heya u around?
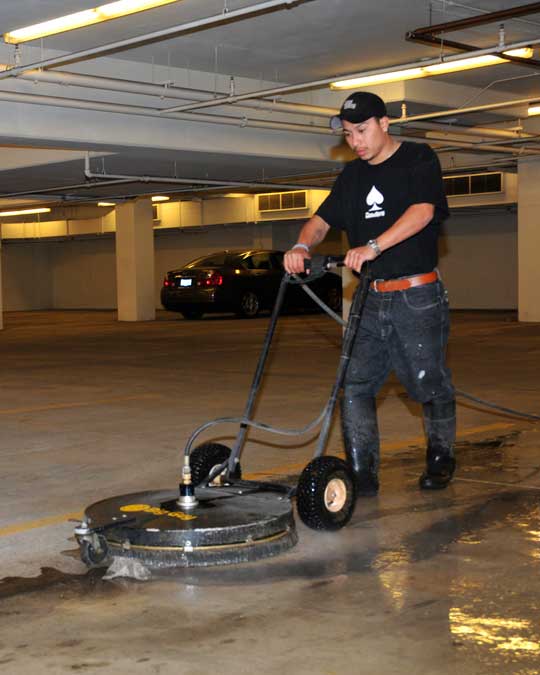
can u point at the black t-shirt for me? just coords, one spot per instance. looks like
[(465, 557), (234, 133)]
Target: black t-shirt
[(368, 199)]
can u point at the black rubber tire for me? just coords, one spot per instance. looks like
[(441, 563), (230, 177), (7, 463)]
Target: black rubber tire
[(311, 498), (334, 299), (191, 314), (250, 305), (93, 557), (205, 457)]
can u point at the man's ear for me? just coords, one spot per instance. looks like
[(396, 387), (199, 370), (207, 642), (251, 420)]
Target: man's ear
[(385, 123)]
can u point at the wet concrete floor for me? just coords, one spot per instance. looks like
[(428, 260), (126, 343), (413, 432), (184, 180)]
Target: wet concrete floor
[(418, 582)]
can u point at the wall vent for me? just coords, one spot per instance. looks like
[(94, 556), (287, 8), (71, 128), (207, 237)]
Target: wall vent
[(282, 201), (473, 184)]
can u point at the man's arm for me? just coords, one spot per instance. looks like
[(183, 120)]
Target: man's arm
[(311, 234), (414, 219)]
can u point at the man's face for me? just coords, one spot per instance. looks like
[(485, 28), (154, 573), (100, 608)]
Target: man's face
[(367, 139)]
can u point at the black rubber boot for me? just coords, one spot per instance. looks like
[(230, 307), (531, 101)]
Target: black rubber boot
[(361, 442), (440, 423)]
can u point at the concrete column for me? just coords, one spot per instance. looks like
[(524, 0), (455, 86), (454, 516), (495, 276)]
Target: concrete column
[(135, 261), (528, 239)]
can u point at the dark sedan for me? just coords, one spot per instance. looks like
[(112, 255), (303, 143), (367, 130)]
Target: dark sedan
[(244, 282)]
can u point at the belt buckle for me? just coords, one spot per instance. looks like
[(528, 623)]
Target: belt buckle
[(375, 282)]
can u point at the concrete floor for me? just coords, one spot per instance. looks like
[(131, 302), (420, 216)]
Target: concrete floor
[(417, 583)]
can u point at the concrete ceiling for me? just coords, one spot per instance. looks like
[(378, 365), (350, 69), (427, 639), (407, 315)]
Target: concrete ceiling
[(312, 40)]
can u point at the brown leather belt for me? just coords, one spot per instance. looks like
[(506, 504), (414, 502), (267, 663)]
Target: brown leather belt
[(382, 286)]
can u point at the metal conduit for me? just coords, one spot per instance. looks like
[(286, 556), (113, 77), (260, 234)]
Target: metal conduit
[(474, 131), (201, 181), (37, 99), (156, 36), (163, 91), (484, 147), (288, 89), (82, 104)]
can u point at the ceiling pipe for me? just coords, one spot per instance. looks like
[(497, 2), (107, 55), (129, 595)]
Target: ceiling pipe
[(194, 181), (465, 110), (484, 147), (288, 89), (491, 17), (434, 41), (37, 99), (435, 138), (149, 89), (202, 181), (63, 77), (62, 188), (430, 34), (473, 131), (157, 36), (509, 162), (143, 111)]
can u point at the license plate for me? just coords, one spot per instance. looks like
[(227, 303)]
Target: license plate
[(186, 282)]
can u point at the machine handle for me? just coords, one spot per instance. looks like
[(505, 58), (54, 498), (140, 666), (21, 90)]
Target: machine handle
[(321, 263)]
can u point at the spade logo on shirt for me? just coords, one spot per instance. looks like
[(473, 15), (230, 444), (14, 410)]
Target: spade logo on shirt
[(374, 200)]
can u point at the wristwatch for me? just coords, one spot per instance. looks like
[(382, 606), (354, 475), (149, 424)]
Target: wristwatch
[(372, 243)]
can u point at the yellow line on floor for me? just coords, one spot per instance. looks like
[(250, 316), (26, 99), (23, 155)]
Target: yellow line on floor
[(35, 524), (78, 404), (277, 471)]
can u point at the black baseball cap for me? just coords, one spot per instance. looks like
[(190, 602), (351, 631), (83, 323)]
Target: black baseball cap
[(359, 107)]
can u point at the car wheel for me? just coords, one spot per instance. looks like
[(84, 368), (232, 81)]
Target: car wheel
[(249, 305), (191, 314), (334, 299), (205, 457), (326, 496)]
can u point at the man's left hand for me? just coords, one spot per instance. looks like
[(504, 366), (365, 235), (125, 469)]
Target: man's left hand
[(356, 257)]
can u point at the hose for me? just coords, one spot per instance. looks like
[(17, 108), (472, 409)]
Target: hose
[(459, 392), (245, 422)]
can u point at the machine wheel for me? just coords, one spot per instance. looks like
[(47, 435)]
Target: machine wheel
[(325, 496), (191, 313), (94, 554), (249, 305), (205, 457)]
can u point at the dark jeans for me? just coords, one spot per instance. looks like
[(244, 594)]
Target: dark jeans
[(404, 331)]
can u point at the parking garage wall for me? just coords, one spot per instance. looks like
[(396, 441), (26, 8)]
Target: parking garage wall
[(478, 258), (478, 261)]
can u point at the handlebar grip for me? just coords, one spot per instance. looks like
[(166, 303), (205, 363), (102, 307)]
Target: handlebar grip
[(334, 261), (322, 263)]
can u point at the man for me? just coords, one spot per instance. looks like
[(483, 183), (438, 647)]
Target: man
[(391, 203)]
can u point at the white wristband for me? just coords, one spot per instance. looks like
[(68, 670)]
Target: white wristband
[(304, 246)]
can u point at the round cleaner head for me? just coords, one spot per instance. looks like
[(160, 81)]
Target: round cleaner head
[(229, 524)]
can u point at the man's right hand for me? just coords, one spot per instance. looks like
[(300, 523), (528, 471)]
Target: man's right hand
[(293, 260)]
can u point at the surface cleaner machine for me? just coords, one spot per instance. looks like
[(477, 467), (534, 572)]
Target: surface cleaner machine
[(214, 517)]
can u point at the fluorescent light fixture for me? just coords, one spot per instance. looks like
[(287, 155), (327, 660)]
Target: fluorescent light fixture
[(533, 109), (24, 212), (426, 71), (106, 203), (160, 198), (88, 17)]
